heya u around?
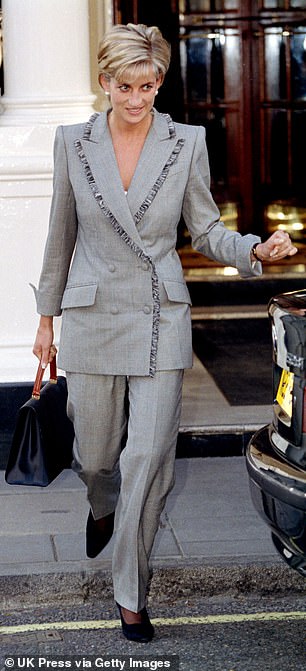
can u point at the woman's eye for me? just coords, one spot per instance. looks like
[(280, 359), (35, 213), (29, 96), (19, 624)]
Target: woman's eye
[(125, 87)]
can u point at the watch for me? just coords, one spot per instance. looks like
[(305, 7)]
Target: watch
[(253, 251)]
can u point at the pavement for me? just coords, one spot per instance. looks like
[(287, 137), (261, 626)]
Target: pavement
[(209, 527), (208, 517)]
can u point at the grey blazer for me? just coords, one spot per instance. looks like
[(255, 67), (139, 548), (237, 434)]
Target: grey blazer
[(110, 265)]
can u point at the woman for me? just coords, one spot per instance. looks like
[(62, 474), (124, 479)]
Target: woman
[(121, 183)]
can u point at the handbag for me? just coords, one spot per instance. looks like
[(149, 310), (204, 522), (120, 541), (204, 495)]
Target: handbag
[(43, 437)]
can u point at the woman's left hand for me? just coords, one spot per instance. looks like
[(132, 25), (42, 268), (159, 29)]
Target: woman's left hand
[(276, 247)]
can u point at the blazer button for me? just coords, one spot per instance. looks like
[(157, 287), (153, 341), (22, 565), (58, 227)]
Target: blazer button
[(114, 310), (147, 309), (111, 268)]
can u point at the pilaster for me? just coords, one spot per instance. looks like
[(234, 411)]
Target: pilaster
[(49, 74)]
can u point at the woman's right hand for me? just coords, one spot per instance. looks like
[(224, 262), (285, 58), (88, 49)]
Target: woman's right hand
[(43, 346)]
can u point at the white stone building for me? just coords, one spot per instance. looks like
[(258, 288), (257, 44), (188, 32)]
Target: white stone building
[(50, 78)]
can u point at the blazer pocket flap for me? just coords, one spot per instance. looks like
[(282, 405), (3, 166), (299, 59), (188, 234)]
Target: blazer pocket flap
[(177, 291), (79, 296)]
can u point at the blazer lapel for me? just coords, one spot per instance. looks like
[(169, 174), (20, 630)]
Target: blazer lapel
[(159, 151), (158, 147), (103, 175)]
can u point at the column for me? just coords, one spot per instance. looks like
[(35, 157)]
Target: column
[(47, 83), (46, 62)]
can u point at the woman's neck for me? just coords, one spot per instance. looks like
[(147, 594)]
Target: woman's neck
[(119, 128)]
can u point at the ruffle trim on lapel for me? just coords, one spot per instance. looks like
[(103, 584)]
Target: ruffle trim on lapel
[(160, 180), (171, 126), (89, 125), (129, 241)]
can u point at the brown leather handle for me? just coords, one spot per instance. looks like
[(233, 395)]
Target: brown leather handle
[(39, 377)]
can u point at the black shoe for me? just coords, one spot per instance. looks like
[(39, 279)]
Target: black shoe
[(141, 632), (98, 533)]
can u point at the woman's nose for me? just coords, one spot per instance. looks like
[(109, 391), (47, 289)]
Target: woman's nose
[(134, 97)]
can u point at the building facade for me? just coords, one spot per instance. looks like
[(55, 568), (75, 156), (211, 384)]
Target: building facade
[(238, 68)]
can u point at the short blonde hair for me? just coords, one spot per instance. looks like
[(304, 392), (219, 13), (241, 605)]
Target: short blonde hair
[(133, 49)]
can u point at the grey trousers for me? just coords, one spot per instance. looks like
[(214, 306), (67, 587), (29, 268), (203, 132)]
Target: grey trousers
[(133, 481)]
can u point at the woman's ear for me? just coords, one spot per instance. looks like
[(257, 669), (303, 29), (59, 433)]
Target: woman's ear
[(104, 83)]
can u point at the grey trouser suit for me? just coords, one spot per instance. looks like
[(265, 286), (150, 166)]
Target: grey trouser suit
[(112, 271)]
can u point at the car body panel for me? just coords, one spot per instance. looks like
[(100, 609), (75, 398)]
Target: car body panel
[(278, 492), (276, 454)]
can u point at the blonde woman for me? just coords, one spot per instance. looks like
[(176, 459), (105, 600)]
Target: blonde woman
[(121, 183)]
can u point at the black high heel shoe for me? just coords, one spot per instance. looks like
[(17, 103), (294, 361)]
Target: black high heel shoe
[(141, 632), (98, 533)]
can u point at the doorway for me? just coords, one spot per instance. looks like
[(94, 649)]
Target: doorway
[(239, 69)]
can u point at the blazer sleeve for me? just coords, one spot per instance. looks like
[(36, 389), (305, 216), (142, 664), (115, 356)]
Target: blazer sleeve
[(202, 217), (61, 236)]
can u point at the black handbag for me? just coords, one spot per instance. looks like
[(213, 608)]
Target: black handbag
[(43, 437)]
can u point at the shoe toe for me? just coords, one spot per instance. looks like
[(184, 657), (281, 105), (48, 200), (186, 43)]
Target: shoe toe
[(141, 632), (98, 536)]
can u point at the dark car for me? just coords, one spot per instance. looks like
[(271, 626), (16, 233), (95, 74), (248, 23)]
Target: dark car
[(276, 454)]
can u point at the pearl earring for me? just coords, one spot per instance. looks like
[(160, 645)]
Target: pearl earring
[(156, 92), (106, 93)]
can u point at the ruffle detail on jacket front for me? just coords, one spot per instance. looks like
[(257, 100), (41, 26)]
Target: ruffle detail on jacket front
[(118, 228)]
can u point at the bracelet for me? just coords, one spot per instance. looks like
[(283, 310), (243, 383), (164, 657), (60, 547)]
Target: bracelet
[(253, 251)]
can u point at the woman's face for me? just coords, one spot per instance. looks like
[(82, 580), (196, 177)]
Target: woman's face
[(132, 100)]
